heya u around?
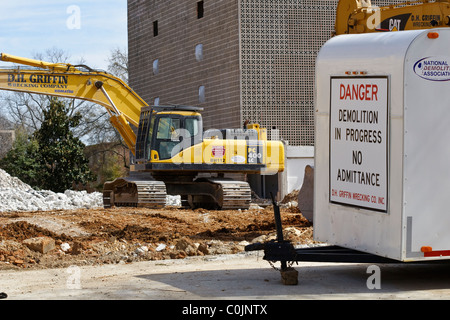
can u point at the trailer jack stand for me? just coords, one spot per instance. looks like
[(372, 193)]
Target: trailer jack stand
[(289, 275), (278, 250)]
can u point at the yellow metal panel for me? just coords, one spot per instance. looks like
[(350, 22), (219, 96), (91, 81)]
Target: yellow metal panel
[(182, 113)]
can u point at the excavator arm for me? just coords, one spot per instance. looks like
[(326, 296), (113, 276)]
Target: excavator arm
[(80, 82), (360, 16)]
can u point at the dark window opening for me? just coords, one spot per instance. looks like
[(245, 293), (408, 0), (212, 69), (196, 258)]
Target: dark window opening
[(155, 28), (200, 10)]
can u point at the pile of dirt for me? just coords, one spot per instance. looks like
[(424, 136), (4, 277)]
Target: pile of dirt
[(291, 197), (75, 229), (125, 235)]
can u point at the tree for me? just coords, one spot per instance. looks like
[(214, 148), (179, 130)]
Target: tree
[(118, 63), (61, 156), (20, 161)]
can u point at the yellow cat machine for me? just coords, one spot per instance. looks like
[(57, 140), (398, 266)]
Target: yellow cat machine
[(360, 16), (173, 155)]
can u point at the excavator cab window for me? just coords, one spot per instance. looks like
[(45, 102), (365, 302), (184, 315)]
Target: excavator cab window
[(167, 127), (144, 136), (166, 136), (194, 130), (174, 133), (192, 126)]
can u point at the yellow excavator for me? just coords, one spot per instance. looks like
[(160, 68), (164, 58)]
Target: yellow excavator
[(173, 154), (360, 16)]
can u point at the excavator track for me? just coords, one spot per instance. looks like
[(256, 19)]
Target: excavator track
[(236, 194), (125, 192), (217, 193)]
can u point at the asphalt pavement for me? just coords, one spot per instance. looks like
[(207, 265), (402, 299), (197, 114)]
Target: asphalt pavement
[(240, 277)]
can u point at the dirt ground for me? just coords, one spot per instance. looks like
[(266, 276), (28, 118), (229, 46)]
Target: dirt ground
[(125, 235)]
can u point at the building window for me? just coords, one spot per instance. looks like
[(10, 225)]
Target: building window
[(201, 94), (155, 28), (199, 52), (200, 10), (156, 103), (156, 66)]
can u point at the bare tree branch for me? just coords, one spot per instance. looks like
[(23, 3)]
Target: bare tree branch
[(118, 63)]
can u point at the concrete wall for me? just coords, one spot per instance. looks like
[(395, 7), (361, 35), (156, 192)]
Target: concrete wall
[(297, 158)]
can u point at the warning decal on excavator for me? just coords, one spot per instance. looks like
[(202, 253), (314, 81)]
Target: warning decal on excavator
[(358, 142), (218, 151)]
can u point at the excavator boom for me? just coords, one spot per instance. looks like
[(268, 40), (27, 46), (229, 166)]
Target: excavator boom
[(37, 63), (80, 82)]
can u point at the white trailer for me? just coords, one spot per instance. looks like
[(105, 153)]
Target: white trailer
[(382, 151), (382, 148)]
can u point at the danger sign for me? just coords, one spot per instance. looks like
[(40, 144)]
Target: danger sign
[(358, 142)]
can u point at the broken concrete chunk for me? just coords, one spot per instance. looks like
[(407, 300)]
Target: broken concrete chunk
[(187, 246), (40, 244), (306, 194), (65, 246), (289, 276)]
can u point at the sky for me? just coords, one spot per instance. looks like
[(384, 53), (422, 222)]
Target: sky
[(83, 29)]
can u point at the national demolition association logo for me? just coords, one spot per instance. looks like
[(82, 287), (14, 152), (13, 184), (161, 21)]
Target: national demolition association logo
[(433, 68)]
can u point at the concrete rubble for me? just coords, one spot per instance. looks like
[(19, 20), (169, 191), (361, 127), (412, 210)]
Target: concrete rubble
[(16, 195)]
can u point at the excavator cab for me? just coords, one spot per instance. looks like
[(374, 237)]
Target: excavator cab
[(164, 131)]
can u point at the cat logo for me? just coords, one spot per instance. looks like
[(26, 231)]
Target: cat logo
[(394, 24)]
